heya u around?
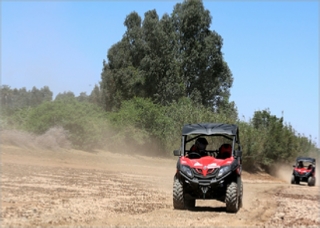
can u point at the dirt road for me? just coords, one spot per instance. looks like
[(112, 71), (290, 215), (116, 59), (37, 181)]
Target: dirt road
[(70, 188)]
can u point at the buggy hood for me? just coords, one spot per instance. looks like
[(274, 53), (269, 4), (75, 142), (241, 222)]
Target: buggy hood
[(208, 161), (207, 164)]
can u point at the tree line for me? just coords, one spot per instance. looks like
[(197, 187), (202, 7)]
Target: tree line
[(143, 125), (164, 72)]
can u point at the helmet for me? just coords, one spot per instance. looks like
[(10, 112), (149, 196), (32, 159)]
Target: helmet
[(201, 143)]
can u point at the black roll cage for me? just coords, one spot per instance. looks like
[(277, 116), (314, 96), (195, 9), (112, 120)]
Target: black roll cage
[(233, 138)]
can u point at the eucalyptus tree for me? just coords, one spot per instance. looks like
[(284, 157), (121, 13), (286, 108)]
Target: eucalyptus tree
[(121, 79), (206, 75), (37, 96), (95, 96), (21, 98), (65, 95), (160, 69), (6, 95), (83, 97), (167, 59)]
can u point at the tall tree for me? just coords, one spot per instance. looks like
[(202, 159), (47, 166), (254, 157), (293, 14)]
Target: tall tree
[(206, 75), (177, 56), (95, 96), (20, 98), (38, 96), (65, 95), (121, 79), (83, 97), (6, 95), (160, 70)]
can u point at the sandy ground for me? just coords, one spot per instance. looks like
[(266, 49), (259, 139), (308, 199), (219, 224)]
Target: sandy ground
[(70, 188)]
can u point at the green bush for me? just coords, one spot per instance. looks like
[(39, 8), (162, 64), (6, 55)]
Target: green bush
[(266, 139), (86, 123), (147, 125), (140, 124)]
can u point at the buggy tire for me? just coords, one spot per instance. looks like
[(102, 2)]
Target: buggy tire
[(178, 198), (311, 181), (232, 198), (241, 194), (293, 179)]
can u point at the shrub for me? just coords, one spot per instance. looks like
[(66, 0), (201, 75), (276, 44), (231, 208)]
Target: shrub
[(86, 123)]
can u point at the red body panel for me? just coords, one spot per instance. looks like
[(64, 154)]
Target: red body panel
[(302, 170), (205, 165)]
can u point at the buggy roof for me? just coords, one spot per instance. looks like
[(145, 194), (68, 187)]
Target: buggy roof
[(306, 159), (210, 129)]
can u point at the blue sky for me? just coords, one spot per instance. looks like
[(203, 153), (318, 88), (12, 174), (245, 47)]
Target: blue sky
[(271, 47)]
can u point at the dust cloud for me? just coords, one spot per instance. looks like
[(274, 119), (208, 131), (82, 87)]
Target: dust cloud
[(55, 138), (282, 171)]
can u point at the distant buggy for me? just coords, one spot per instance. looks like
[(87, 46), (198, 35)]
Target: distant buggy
[(215, 172), (304, 171)]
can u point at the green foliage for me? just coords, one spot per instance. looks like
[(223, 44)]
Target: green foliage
[(141, 122), (18, 118), (85, 122), (159, 66), (14, 99), (148, 125), (95, 96), (65, 95), (206, 75), (266, 139), (167, 59)]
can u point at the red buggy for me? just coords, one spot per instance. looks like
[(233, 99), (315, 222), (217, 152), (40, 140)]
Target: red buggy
[(215, 173), (304, 171)]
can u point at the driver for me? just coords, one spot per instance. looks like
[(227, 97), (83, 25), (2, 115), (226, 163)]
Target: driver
[(199, 147), (300, 165)]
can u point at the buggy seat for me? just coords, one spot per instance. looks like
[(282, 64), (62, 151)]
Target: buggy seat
[(225, 151)]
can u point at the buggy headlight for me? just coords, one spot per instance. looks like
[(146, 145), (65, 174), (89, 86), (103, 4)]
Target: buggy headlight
[(223, 170), (186, 170)]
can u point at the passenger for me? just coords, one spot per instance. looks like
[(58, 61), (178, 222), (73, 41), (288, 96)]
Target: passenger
[(300, 165)]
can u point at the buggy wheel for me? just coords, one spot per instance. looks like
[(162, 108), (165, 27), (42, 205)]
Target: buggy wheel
[(293, 180), (178, 199), (241, 194), (232, 198), (311, 181)]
